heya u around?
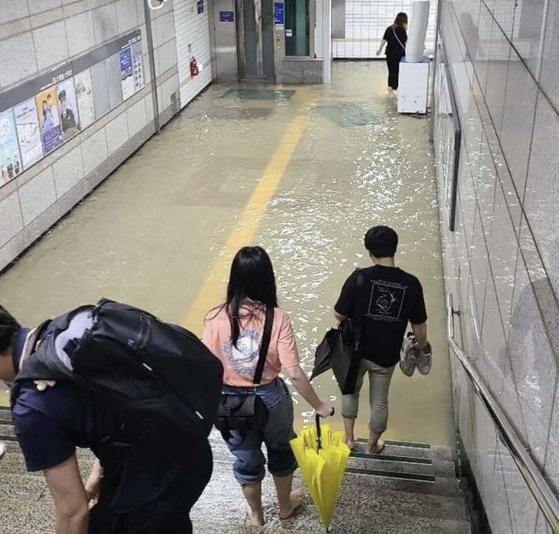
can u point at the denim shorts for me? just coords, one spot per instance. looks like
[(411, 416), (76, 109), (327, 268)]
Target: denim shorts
[(250, 462)]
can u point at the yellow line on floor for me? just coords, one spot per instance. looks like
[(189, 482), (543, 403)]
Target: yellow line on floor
[(212, 290)]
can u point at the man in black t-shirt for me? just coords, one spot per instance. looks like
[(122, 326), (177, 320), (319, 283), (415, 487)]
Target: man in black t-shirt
[(393, 298), (144, 483)]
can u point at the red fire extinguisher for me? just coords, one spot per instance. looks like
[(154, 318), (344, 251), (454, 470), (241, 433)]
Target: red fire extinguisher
[(194, 71)]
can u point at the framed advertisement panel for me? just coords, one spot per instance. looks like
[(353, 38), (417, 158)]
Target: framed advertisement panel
[(68, 109), (28, 133), (10, 159), (84, 97), (49, 119)]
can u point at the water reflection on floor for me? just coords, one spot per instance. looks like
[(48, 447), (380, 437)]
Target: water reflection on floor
[(151, 232)]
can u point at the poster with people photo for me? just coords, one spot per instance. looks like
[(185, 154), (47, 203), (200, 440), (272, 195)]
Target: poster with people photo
[(28, 133), (10, 162), (68, 109), (84, 96), (49, 119)]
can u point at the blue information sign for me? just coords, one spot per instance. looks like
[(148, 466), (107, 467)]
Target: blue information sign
[(279, 13), (226, 16)]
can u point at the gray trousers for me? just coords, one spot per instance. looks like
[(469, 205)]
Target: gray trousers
[(379, 384)]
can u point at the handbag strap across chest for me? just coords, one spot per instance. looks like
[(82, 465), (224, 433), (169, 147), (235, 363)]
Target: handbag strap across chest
[(266, 335)]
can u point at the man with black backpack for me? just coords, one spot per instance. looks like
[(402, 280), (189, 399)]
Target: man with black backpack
[(140, 393)]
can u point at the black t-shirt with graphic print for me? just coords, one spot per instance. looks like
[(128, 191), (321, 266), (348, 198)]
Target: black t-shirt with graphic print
[(392, 298)]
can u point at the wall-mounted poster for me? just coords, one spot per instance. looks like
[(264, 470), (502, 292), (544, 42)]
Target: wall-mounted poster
[(138, 63), (68, 109), (126, 73), (28, 133), (51, 131), (10, 163), (84, 96), (114, 85), (100, 90)]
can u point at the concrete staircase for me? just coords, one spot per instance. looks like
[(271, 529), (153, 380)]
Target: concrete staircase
[(410, 488)]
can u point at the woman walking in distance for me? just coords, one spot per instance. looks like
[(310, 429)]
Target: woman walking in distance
[(234, 332), (395, 38)]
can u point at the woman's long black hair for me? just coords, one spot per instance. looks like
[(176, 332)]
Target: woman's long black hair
[(252, 277)]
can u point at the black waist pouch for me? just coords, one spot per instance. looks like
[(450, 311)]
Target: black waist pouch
[(240, 412)]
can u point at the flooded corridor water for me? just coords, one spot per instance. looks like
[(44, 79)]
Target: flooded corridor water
[(302, 171)]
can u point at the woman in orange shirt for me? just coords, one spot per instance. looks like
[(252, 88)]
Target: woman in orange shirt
[(233, 332)]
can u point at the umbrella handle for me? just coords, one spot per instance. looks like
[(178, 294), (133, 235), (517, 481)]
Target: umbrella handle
[(318, 432)]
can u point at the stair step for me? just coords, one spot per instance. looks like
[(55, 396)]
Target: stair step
[(16, 485), (399, 464), (369, 499), (23, 514), (390, 474), (398, 443), (443, 486), (378, 525), (410, 449), (6, 430)]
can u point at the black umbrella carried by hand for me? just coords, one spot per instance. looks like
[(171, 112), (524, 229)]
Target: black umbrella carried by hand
[(339, 350)]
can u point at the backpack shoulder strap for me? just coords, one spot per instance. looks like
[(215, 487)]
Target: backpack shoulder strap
[(267, 334), (357, 319), (31, 342), (398, 39)]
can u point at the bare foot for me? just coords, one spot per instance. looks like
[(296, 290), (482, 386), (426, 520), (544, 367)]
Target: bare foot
[(295, 500), (375, 448), (256, 520), (350, 443), (390, 91)]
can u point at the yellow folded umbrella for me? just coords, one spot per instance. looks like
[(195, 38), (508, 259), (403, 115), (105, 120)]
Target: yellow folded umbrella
[(322, 456)]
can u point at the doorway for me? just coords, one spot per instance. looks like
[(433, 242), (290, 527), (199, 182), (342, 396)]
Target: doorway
[(255, 39)]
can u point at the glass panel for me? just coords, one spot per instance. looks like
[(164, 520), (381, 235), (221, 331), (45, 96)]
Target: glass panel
[(297, 28)]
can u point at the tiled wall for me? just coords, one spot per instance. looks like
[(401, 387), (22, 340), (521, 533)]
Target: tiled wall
[(39, 35), (193, 41), (366, 21), (502, 262)]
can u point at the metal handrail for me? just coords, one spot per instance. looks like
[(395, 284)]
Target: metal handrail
[(542, 492)]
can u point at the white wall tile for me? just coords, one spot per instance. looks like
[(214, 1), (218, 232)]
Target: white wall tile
[(105, 23), (50, 44), (81, 35), (68, 171), (22, 62), (136, 117), (94, 151), (37, 195), (117, 132), (11, 221)]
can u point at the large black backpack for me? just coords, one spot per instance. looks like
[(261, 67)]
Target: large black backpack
[(138, 364)]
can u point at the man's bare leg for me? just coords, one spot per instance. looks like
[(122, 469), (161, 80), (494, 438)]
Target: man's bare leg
[(349, 426), (375, 443), (253, 496)]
